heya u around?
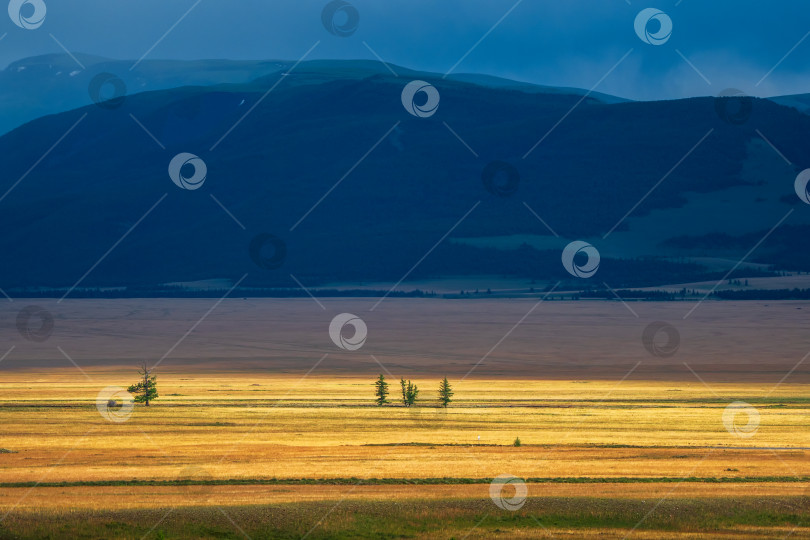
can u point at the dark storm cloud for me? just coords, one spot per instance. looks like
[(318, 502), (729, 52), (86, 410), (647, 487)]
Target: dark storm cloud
[(559, 43)]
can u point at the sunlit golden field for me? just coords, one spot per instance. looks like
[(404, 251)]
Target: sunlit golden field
[(291, 427), (267, 451), (264, 430)]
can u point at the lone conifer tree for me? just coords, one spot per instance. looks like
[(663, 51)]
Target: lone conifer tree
[(146, 388), (445, 392), (409, 392), (382, 390)]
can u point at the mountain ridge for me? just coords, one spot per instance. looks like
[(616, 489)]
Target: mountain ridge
[(311, 164), (52, 83)]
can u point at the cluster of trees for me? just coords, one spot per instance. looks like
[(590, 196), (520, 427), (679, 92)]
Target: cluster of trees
[(410, 392), (145, 390), (764, 294)]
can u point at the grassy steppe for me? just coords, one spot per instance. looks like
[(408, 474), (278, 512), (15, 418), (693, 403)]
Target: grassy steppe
[(235, 455), (746, 517)]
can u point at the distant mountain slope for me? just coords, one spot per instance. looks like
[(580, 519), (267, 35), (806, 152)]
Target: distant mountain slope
[(54, 83), (310, 165), (498, 82), (800, 102)]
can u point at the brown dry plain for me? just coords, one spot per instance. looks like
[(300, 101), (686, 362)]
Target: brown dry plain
[(265, 429)]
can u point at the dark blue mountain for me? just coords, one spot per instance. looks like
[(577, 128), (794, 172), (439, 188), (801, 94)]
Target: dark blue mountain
[(310, 163)]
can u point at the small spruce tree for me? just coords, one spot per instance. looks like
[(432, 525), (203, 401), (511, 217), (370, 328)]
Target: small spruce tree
[(145, 390), (381, 391), (413, 393), (445, 392), (409, 392)]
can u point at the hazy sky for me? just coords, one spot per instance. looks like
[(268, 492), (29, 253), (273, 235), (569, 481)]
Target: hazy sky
[(554, 42)]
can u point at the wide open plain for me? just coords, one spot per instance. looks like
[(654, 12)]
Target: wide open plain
[(266, 429)]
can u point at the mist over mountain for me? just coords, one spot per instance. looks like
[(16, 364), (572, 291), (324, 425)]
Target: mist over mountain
[(326, 159)]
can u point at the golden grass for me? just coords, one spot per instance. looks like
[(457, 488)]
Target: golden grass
[(247, 426), (223, 426)]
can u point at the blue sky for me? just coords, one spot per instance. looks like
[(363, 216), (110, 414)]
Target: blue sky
[(560, 42)]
